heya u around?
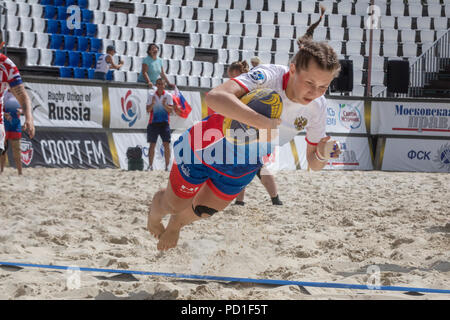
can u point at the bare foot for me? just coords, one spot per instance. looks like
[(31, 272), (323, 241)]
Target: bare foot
[(154, 225), (168, 239)]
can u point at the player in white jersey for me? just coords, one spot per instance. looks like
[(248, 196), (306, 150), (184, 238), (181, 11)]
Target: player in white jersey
[(188, 196)]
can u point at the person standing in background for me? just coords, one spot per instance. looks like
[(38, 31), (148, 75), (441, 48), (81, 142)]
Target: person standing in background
[(255, 61), (105, 62), (13, 131), (159, 106), (152, 68)]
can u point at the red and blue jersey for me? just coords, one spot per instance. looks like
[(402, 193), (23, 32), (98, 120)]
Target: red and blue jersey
[(158, 114), (10, 77)]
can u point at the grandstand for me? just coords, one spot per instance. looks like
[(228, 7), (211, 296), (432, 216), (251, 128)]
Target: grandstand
[(199, 38)]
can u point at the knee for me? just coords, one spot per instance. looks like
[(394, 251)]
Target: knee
[(203, 211)]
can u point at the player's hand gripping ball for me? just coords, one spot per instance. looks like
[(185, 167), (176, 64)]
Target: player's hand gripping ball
[(264, 101)]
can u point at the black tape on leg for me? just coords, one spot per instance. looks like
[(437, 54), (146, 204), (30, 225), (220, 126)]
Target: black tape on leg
[(199, 210)]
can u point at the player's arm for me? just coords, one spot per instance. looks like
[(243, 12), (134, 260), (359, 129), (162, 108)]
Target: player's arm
[(111, 62), (22, 97), (224, 99), (315, 154), (167, 105), (151, 103)]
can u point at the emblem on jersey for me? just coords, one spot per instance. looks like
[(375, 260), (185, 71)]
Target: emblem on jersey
[(258, 77), (300, 123), (26, 151)]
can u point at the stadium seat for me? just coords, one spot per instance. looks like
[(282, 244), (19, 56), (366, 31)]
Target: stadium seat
[(52, 26), (74, 58), (308, 6), (268, 30), (110, 18), (14, 39), (11, 8), (87, 59), (281, 58), (344, 8), (110, 75), (250, 16), (251, 30), (181, 81), (264, 44), (266, 57), (404, 23), (79, 73), (233, 42), (423, 23), (286, 32), (354, 34), (291, 6), (58, 3), (185, 67), (42, 40), (28, 39), (187, 13), (121, 19), (409, 50), (235, 29), (267, 17), (387, 22), (408, 36), (174, 11), (234, 15), (91, 30), (426, 36), (32, 56), (352, 48), (390, 49), (440, 23), (178, 25), (98, 17), (69, 42), (86, 15), (249, 43), (219, 69), (335, 20), (56, 41), (23, 9), (46, 57), (283, 45), (49, 12), (38, 25), (189, 53), (83, 3), (119, 75), (137, 64), (239, 4), (126, 33), (25, 24), (160, 36), (93, 4), (233, 55), (133, 20), (219, 27), (194, 81), (415, 10), (65, 72), (337, 34), (60, 58), (69, 3), (114, 32), (390, 35), (219, 14), (103, 5), (132, 76), (434, 10), (217, 41), (64, 28), (96, 45), (61, 13), (354, 21)]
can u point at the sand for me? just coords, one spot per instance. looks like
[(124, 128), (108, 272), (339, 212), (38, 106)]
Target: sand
[(332, 226)]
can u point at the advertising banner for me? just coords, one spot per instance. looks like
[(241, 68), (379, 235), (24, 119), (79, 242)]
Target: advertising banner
[(410, 118), (416, 155), (355, 155), (345, 116), (66, 105), (123, 141), (128, 109), (79, 150)]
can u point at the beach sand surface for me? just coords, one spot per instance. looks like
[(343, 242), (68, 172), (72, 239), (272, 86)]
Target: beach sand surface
[(332, 227)]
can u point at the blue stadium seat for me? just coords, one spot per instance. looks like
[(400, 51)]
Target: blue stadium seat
[(62, 13), (91, 29), (59, 3), (83, 4), (74, 58), (69, 42), (87, 58), (46, 2), (81, 31), (65, 28), (97, 56), (52, 26), (49, 12), (60, 58), (83, 43), (109, 75), (56, 41), (91, 73), (79, 73), (71, 3), (96, 45), (86, 15)]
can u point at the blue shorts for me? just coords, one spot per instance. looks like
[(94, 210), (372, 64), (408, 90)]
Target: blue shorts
[(158, 129), (187, 178)]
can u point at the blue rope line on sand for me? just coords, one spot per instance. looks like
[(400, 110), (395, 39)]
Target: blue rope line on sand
[(232, 279)]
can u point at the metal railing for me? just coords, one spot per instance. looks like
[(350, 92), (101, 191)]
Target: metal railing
[(426, 67)]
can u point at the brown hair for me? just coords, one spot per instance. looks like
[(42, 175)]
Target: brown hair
[(321, 52), (241, 66)]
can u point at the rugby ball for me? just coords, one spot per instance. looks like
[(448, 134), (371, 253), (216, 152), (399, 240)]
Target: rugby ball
[(264, 101)]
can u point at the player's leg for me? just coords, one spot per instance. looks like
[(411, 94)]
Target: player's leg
[(15, 144), (165, 136)]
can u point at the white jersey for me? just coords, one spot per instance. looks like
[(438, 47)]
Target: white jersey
[(102, 65), (295, 117)]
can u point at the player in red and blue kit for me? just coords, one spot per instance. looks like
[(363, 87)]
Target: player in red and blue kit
[(11, 79), (200, 182)]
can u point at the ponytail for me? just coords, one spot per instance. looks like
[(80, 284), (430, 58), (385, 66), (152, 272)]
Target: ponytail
[(321, 52), (241, 66)]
